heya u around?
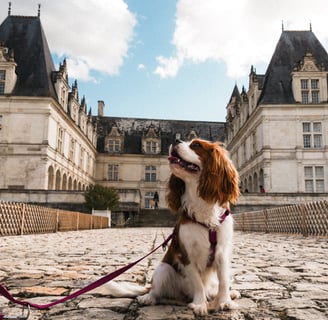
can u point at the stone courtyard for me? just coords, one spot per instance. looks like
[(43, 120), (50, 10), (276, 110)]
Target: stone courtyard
[(278, 276)]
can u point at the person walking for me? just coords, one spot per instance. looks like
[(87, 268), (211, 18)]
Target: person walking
[(156, 200)]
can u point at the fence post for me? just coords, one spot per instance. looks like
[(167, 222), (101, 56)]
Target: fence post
[(23, 218), (57, 221), (266, 220), (77, 221), (303, 221)]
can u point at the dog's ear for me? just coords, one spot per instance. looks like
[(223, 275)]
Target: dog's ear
[(219, 180), (176, 188)]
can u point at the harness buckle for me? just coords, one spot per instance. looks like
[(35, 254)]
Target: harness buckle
[(21, 317)]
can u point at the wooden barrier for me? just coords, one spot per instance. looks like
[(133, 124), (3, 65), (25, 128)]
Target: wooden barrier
[(20, 218), (308, 219)]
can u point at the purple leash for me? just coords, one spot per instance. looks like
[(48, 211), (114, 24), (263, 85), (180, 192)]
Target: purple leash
[(4, 292)]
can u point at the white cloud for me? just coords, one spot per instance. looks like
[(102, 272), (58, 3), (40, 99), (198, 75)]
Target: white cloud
[(141, 66), (79, 69), (237, 32), (168, 67), (91, 34)]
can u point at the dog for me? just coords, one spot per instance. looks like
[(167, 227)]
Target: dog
[(196, 266)]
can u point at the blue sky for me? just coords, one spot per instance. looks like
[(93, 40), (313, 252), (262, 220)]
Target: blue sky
[(167, 59)]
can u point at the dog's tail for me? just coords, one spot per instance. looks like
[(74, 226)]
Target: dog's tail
[(122, 289)]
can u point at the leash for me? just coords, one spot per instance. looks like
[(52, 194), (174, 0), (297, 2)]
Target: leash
[(4, 292)]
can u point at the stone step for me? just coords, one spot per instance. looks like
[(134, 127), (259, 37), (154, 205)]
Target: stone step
[(153, 218)]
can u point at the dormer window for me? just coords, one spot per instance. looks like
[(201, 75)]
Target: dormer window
[(114, 145), (2, 81), (114, 141), (309, 81), (310, 93), (151, 141), (151, 146)]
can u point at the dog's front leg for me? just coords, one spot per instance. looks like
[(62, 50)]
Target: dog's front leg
[(199, 303), (223, 299)]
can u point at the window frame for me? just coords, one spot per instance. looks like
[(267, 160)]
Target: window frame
[(312, 135), (310, 91), (314, 181), (150, 173), (2, 82), (113, 172)]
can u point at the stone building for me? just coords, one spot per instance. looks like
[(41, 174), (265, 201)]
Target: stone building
[(277, 129), (50, 143), (47, 138), (132, 154)]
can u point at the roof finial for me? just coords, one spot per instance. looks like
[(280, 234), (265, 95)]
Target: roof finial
[(39, 9), (9, 8), (310, 26), (282, 25)]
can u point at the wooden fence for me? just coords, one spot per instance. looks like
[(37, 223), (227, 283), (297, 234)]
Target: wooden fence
[(308, 219), (21, 218)]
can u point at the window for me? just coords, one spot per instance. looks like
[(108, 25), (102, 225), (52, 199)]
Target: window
[(114, 145), (151, 147), (150, 174), (2, 81), (81, 162), (60, 140), (310, 91), (314, 179), (113, 172), (149, 199), (72, 150), (312, 135)]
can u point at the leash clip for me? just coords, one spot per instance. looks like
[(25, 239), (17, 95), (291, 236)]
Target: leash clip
[(164, 245), (22, 317)]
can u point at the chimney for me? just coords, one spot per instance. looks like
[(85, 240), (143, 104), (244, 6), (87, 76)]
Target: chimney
[(101, 106)]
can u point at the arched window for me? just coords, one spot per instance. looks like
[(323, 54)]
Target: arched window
[(50, 178), (69, 183), (255, 183), (58, 180), (64, 185), (250, 184)]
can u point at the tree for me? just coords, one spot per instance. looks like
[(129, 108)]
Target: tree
[(101, 198)]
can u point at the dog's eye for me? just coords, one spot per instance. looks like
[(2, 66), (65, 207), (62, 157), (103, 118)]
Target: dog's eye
[(195, 145)]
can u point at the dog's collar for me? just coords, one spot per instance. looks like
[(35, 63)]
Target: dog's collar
[(221, 218), (212, 233)]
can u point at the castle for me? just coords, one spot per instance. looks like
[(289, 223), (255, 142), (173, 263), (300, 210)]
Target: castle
[(51, 144)]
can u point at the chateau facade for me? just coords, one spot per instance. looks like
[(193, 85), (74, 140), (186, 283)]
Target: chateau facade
[(47, 139), (132, 154), (50, 141), (277, 130)]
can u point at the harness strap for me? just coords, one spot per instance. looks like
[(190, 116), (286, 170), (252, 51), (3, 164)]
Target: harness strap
[(212, 234), (4, 292)]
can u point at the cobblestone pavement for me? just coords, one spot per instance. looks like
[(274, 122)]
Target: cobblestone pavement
[(278, 276)]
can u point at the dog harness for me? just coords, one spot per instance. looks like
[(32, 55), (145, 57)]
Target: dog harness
[(212, 233)]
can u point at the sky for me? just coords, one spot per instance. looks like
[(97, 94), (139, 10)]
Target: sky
[(167, 59)]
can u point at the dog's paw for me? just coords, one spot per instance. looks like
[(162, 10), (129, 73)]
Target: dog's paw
[(234, 294), (199, 309), (228, 305), (147, 299), (223, 305)]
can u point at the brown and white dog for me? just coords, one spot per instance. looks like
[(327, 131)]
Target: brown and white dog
[(196, 267)]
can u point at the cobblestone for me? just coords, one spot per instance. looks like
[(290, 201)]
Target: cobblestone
[(279, 276)]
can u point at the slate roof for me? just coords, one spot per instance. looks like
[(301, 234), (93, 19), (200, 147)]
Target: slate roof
[(235, 94), (34, 69), (290, 50), (134, 129)]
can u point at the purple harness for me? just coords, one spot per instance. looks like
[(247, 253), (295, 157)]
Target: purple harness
[(212, 234)]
